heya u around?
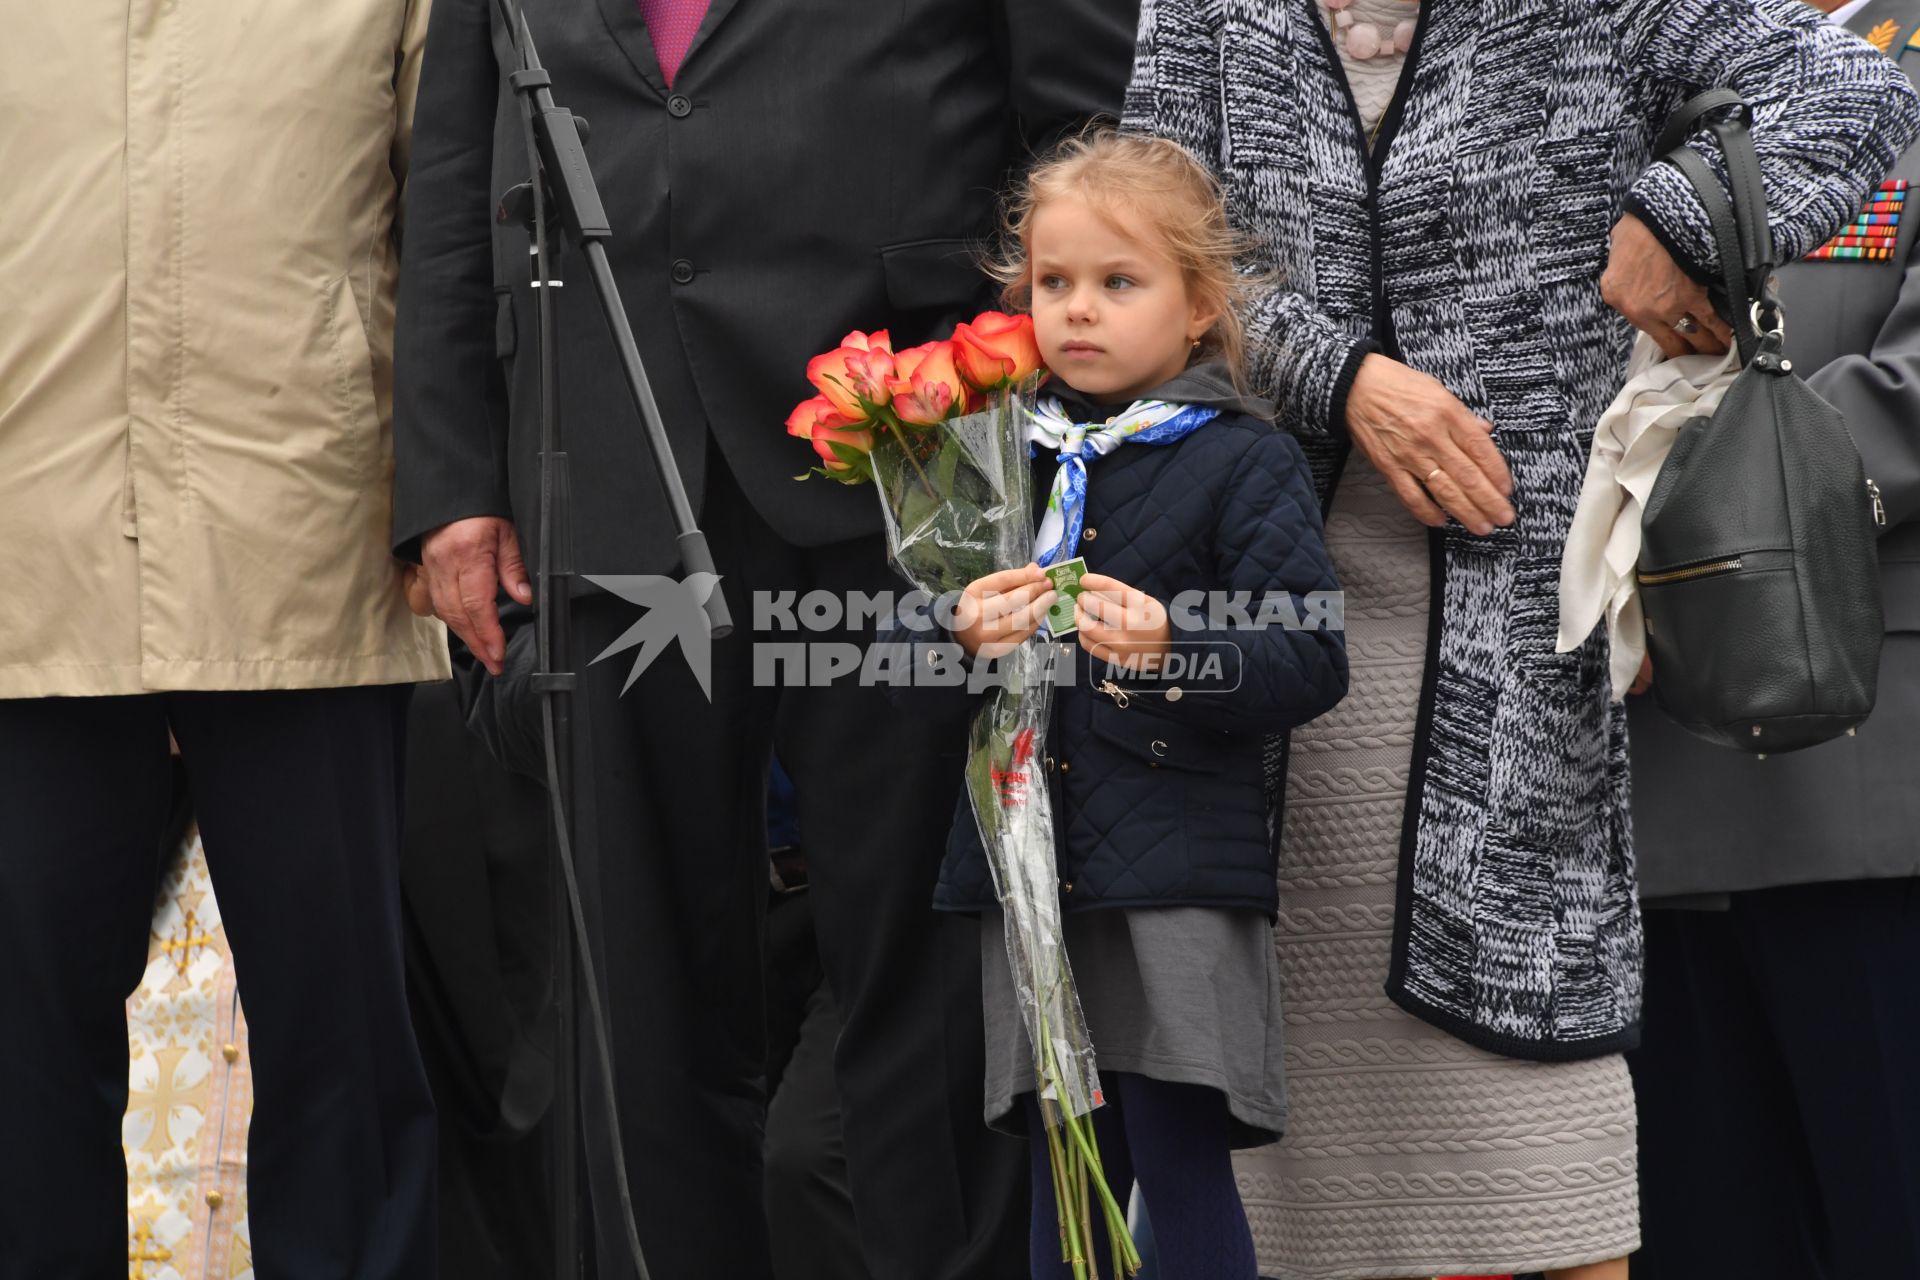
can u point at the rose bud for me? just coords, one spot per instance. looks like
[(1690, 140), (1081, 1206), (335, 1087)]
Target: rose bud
[(825, 438)]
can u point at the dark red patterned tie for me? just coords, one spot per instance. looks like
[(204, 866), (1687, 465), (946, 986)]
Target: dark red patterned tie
[(673, 24)]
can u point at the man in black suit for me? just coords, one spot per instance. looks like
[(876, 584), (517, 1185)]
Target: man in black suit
[(776, 174)]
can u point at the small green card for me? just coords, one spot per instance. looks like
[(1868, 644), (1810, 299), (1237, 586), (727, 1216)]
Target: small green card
[(1065, 577)]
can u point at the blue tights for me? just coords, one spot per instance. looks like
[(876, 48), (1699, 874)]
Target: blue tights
[(1174, 1139)]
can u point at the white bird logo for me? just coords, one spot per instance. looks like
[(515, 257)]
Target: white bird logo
[(675, 610)]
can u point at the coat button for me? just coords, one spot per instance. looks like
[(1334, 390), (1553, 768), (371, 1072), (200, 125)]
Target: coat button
[(1064, 766), (1066, 886), (679, 106), (1176, 693), (1089, 533), (682, 272)]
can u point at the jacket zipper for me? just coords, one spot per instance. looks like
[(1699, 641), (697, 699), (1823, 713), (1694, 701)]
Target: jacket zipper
[(1690, 572), (1879, 507)]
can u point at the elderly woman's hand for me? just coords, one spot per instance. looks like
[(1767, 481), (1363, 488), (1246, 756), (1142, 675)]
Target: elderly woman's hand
[(1439, 458), (1644, 284)]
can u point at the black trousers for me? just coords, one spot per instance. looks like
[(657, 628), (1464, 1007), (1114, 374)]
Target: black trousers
[(810, 1211), (297, 796), (1779, 1115), (676, 868), (474, 879)]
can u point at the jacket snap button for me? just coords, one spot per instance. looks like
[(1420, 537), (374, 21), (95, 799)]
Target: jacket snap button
[(1064, 766), (1176, 693), (683, 272), (1159, 748), (1066, 886), (679, 106), (1089, 533)]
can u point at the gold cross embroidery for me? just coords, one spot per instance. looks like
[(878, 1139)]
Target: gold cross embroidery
[(183, 947), (162, 1099), (142, 1249)]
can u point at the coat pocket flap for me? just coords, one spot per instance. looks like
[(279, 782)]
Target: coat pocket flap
[(927, 274), (1163, 743)]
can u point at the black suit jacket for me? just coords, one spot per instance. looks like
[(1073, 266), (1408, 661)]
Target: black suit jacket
[(817, 166)]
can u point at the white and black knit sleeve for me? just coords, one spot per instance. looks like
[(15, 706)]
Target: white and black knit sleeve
[(1296, 355), (1831, 114)]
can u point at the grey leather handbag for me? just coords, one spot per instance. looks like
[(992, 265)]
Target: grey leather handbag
[(1758, 572)]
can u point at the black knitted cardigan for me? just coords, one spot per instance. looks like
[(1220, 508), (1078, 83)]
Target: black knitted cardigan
[(1470, 244)]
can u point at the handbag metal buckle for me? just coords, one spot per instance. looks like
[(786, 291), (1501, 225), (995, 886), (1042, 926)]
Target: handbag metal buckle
[(1778, 329)]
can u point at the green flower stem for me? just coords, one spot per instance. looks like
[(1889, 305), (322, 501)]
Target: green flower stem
[(1056, 1165), (893, 425), (1084, 1154)]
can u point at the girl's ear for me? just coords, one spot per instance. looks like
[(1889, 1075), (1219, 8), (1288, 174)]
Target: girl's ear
[(1201, 318)]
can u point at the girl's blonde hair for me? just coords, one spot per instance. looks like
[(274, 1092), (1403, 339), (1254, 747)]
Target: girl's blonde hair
[(1167, 189)]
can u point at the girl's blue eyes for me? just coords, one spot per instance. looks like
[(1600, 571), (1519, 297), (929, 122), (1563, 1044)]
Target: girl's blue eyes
[(1053, 283)]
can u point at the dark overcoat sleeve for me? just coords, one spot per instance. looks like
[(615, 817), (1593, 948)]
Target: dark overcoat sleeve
[(450, 399), (1878, 392)]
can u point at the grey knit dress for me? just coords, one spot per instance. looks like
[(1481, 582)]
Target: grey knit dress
[(1407, 1152)]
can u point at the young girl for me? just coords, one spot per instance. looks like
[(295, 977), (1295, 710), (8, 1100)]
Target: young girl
[(1171, 484)]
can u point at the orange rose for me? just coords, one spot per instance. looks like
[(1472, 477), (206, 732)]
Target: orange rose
[(856, 370), (834, 380), (927, 386), (996, 349), (811, 413), (817, 420)]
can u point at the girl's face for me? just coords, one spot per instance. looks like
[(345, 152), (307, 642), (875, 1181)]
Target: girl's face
[(1110, 309)]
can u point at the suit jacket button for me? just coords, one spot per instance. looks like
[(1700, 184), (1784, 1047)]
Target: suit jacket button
[(679, 106), (683, 272)]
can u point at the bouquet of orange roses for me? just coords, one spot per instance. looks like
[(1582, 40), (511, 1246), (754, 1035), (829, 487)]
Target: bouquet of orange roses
[(940, 432)]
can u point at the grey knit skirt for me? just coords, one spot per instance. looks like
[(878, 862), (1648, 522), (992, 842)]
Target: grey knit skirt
[(1407, 1152), (1188, 995)]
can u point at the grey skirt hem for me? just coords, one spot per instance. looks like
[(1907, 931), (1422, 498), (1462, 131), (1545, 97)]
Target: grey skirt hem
[(1254, 1124)]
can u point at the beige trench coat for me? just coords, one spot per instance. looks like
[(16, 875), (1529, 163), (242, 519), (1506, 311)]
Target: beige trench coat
[(197, 269)]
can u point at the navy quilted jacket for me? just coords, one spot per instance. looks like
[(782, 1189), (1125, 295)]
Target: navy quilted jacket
[(1158, 791)]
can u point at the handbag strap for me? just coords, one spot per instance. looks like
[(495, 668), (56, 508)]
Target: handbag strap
[(1737, 211)]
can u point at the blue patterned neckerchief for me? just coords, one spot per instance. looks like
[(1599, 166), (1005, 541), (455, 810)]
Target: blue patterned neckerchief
[(1142, 422)]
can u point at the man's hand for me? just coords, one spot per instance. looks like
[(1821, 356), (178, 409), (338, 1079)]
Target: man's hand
[(1439, 458), (1644, 284), (995, 614), (1121, 625), (465, 563)]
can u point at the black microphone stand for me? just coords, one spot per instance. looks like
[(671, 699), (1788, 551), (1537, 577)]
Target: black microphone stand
[(560, 176)]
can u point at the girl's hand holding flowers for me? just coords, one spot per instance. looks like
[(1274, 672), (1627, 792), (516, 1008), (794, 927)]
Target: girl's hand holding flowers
[(995, 614), (1122, 625)]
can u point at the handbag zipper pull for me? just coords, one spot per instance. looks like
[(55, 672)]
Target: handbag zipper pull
[(1879, 507)]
